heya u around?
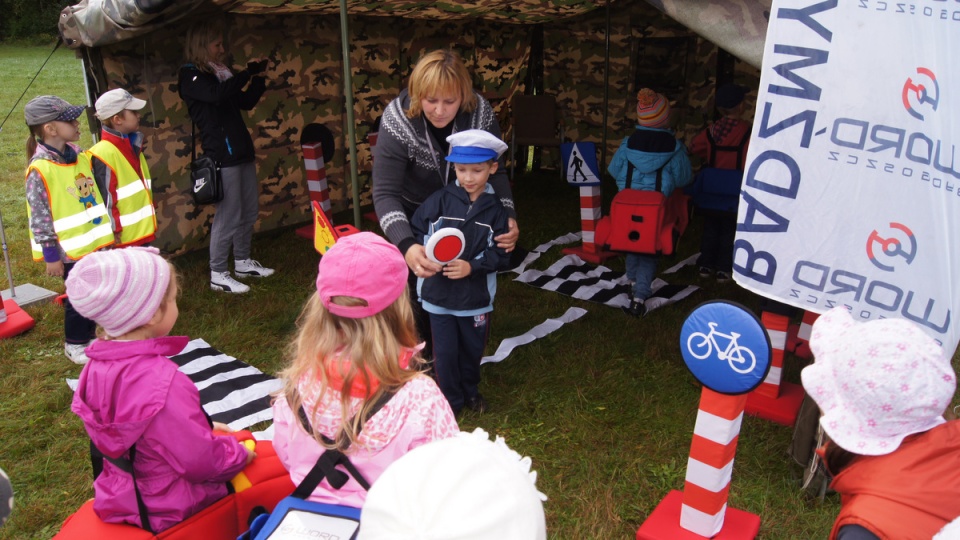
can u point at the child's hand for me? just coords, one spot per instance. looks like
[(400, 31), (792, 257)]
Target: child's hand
[(250, 454), (219, 426), (55, 269), (457, 269)]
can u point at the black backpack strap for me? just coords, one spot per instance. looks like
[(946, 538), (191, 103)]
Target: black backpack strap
[(326, 466), (659, 184), (738, 148), (712, 145), (126, 465)]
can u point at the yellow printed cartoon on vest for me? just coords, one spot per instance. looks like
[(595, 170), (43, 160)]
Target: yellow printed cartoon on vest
[(85, 193)]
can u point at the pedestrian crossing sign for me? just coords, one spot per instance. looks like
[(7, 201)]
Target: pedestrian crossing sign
[(580, 163)]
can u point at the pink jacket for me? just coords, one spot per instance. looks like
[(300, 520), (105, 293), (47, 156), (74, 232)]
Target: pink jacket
[(130, 392), (416, 415)]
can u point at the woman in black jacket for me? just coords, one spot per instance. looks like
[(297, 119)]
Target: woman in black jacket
[(215, 96)]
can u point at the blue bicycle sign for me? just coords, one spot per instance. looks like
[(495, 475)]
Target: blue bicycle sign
[(725, 347), (741, 359)]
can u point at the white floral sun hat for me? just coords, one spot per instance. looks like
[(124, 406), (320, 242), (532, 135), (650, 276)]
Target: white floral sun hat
[(462, 488), (876, 382)]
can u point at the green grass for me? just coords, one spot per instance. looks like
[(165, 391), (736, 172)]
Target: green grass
[(604, 406)]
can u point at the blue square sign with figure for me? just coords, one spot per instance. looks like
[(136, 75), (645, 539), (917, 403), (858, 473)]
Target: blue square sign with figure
[(580, 163)]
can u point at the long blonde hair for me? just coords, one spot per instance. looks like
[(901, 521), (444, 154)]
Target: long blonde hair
[(437, 73), (199, 35), (370, 346)]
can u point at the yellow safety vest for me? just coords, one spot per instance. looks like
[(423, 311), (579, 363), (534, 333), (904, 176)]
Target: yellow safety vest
[(79, 215), (134, 196)]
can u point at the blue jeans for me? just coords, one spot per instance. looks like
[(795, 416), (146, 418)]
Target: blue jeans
[(641, 269)]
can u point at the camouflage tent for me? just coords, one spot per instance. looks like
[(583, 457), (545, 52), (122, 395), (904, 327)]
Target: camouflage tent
[(512, 46)]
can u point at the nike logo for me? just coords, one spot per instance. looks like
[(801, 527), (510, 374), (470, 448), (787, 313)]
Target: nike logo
[(198, 185)]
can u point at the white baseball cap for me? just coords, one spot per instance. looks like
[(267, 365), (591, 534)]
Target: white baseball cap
[(115, 101)]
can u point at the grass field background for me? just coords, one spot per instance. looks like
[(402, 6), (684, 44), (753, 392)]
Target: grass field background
[(604, 406)]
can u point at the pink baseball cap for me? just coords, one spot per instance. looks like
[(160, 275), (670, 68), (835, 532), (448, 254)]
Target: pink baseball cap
[(876, 382), (364, 266)]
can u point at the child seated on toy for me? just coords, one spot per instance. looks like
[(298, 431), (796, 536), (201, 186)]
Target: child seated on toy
[(882, 387), (353, 384), (463, 487), (135, 405)]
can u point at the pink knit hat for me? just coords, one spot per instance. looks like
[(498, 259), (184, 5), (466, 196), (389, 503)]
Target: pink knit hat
[(364, 266), (653, 109), (876, 382), (119, 289)]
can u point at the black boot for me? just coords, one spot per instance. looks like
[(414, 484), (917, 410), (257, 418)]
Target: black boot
[(636, 308)]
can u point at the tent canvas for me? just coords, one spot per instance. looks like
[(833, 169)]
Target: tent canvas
[(553, 46)]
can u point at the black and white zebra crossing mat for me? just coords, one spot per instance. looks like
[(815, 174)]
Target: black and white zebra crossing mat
[(572, 276), (231, 391)]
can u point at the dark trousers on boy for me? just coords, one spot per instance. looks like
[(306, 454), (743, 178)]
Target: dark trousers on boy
[(77, 329), (458, 344), (716, 244)]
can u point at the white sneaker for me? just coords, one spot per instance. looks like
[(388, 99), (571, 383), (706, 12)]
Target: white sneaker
[(221, 281), (250, 268), (75, 352)]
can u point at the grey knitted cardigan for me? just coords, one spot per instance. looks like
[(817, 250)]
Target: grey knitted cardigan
[(405, 173)]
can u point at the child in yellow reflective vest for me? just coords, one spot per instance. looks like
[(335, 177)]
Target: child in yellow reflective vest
[(121, 171), (68, 219)]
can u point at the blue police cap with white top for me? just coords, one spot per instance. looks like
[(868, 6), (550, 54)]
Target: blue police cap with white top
[(474, 146)]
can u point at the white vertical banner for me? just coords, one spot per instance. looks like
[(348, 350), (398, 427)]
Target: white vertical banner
[(852, 186)]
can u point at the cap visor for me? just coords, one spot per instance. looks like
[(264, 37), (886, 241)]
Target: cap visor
[(71, 113)]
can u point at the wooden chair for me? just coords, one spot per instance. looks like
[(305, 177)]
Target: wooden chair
[(537, 123)]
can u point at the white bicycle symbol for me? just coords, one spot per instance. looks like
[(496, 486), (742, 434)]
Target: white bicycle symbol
[(735, 354)]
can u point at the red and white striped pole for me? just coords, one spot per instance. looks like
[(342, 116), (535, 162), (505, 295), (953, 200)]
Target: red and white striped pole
[(590, 201), (776, 326), (316, 175), (775, 399), (589, 215), (710, 465), (803, 334)]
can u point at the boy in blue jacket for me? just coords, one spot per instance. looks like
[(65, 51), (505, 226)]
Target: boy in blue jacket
[(651, 149), (459, 298)]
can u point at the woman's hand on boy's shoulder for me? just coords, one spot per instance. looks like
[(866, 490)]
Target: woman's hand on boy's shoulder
[(508, 240)]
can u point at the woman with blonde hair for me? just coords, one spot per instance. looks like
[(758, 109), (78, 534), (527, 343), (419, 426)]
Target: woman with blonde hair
[(410, 156), (353, 382), (215, 95)]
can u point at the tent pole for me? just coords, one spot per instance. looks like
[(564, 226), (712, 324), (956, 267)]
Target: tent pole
[(351, 128), (606, 92)]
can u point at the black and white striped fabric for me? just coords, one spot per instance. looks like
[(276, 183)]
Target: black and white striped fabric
[(231, 392), (573, 277)]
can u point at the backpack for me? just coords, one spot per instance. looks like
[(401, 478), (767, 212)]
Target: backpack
[(643, 221), (718, 190), (294, 516)]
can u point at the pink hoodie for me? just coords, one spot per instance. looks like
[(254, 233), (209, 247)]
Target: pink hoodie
[(130, 392)]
